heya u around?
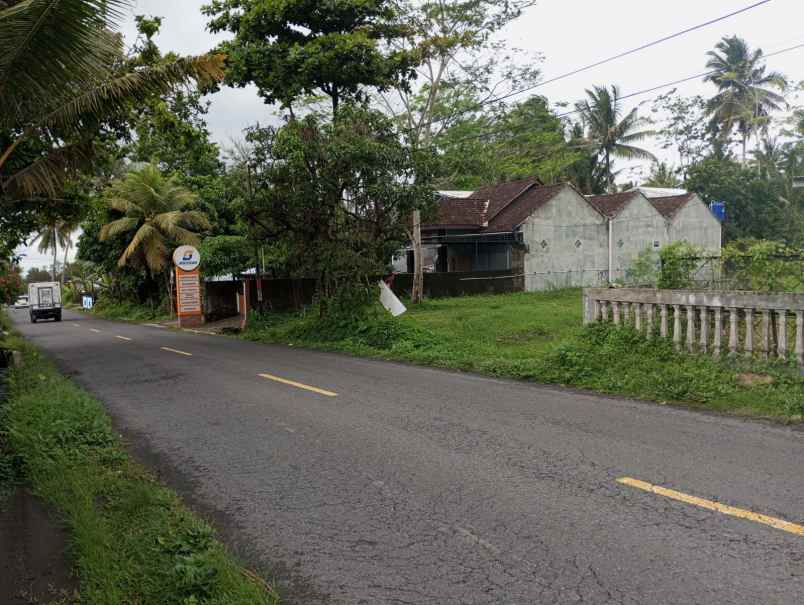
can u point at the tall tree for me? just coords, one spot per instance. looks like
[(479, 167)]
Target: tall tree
[(745, 97), (663, 175), (337, 196), (158, 212), (463, 64), (56, 234), (295, 48), (611, 132)]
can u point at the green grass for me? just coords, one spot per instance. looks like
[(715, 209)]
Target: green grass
[(126, 311), (133, 542), (539, 337)]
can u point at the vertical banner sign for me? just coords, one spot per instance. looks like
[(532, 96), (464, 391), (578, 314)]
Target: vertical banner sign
[(188, 285)]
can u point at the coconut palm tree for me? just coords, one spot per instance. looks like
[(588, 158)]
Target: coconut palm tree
[(158, 213), (56, 234), (59, 77), (611, 131), (745, 98)]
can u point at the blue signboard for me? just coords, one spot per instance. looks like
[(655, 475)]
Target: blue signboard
[(719, 210)]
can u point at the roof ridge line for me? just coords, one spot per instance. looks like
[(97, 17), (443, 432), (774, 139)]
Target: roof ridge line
[(516, 197)]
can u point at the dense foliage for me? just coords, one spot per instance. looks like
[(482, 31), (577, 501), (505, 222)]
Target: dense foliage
[(337, 195)]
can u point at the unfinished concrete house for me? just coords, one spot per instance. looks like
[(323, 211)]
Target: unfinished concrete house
[(553, 236)]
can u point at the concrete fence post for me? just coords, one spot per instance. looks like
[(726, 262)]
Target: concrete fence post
[(690, 328), (649, 320), (677, 327), (800, 337), (663, 321), (615, 312), (704, 344), (766, 329), (782, 338), (717, 344), (749, 333), (638, 317), (733, 340)]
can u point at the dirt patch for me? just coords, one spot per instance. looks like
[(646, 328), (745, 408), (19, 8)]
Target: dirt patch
[(752, 380), (33, 564)]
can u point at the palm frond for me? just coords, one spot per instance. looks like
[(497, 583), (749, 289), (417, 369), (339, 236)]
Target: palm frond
[(629, 152), (47, 45), (45, 175), (110, 96), (121, 225)]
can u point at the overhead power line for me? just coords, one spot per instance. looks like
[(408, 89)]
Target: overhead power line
[(640, 92), (610, 59)]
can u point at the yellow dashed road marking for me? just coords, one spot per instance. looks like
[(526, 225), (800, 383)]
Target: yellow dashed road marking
[(715, 506), (299, 385), (177, 351)]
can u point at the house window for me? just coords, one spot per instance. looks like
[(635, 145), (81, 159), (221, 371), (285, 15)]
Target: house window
[(655, 243)]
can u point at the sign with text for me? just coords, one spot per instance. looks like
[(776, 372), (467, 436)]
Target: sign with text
[(188, 285), (188, 293), (187, 258)]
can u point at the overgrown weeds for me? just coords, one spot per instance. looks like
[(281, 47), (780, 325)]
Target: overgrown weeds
[(539, 337), (133, 540)]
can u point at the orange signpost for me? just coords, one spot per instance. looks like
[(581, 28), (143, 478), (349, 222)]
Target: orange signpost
[(188, 286)]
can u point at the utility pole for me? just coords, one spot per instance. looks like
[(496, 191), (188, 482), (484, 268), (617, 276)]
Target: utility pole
[(418, 270)]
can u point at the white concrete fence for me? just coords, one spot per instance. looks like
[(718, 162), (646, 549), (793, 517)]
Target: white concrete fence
[(706, 321)]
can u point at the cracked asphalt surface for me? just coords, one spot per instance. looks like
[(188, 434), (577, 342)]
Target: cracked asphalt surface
[(423, 486)]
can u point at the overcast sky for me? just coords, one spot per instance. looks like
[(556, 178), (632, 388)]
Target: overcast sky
[(569, 33)]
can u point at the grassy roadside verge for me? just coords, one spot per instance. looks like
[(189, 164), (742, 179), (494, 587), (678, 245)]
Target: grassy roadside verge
[(133, 541), (123, 311), (538, 337)]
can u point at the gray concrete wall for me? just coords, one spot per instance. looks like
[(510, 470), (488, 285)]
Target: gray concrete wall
[(567, 243), (697, 225), (638, 227)]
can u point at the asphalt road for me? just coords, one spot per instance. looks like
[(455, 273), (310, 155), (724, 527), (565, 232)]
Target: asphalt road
[(413, 485)]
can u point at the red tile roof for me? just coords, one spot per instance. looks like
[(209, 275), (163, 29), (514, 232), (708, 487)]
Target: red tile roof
[(459, 212), (611, 205), (500, 195), (669, 206), (516, 213)]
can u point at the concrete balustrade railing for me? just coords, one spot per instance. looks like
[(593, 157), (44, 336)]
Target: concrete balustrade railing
[(751, 323)]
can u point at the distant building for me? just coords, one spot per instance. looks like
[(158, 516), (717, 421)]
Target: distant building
[(553, 236)]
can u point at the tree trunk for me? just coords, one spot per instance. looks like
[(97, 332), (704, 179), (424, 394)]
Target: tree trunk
[(55, 257)]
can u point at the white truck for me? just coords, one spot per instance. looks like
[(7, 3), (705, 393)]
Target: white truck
[(44, 301)]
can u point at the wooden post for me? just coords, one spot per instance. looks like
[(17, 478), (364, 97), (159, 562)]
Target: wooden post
[(416, 293)]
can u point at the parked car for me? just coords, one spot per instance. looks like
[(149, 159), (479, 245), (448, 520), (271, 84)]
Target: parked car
[(45, 301), (21, 302)]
